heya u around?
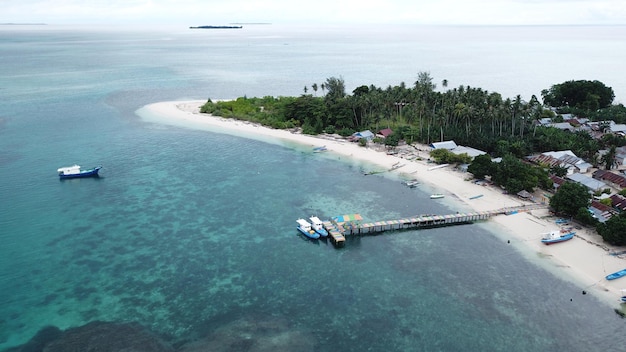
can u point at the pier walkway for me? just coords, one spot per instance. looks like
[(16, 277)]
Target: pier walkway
[(350, 225)]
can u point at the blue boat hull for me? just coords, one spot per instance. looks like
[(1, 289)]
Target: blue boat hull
[(616, 275), (312, 235), (322, 232), (559, 240), (83, 174)]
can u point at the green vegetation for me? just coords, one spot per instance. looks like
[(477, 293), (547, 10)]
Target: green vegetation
[(515, 175), (613, 231), (268, 111), (444, 156), (418, 113), (586, 95), (570, 198)]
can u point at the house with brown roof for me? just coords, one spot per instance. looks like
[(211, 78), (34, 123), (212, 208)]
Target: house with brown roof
[(613, 179), (618, 202), (384, 133), (566, 159)]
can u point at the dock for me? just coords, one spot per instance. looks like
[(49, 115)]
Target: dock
[(339, 227)]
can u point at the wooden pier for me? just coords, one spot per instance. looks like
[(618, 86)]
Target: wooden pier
[(349, 225)]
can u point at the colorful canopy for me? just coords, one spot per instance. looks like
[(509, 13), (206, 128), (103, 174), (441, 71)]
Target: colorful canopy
[(348, 217)]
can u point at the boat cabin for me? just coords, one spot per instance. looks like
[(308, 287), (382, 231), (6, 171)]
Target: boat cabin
[(304, 224), (317, 223), (69, 170)]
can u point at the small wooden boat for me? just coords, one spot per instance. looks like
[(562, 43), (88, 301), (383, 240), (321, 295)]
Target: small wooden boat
[(616, 275), (436, 196), (557, 236), (76, 172), (412, 183)]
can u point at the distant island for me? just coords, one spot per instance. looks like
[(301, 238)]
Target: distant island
[(215, 27), (22, 24)]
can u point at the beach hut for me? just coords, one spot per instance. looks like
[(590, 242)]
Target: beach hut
[(367, 134), (384, 133)]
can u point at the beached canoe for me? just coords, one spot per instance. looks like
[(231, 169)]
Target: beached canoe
[(616, 275)]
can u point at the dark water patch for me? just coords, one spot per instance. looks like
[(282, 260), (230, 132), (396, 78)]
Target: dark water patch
[(48, 299), (96, 337), (250, 333), (92, 265), (82, 293)]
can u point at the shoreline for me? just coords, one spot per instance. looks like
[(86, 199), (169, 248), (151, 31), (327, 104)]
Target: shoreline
[(585, 260)]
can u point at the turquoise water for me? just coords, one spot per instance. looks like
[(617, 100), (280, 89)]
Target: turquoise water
[(190, 233)]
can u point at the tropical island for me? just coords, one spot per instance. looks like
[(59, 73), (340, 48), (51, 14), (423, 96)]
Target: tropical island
[(525, 147)]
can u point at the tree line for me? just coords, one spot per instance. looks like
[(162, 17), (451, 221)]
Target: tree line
[(420, 113)]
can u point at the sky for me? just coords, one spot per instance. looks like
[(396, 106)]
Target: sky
[(221, 12)]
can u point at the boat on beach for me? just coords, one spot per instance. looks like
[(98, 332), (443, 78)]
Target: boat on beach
[(76, 172), (412, 183), (616, 275), (436, 196), (317, 226), (320, 149), (306, 229), (557, 236)]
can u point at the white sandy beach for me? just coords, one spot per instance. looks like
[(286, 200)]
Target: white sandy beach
[(584, 260)]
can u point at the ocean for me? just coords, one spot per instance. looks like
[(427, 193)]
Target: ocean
[(191, 234)]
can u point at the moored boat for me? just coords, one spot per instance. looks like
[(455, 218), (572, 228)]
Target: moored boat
[(557, 236), (76, 172), (616, 275), (436, 196), (412, 183), (317, 226), (320, 149), (305, 227)]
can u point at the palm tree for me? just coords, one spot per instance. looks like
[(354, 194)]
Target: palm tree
[(314, 86), (608, 159)]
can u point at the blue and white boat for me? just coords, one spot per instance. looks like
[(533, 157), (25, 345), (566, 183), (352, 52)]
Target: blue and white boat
[(616, 275), (317, 226), (557, 236), (305, 227), (319, 149), (76, 172)]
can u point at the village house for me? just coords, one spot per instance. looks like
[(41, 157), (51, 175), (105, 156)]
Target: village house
[(457, 149), (565, 159), (613, 179)]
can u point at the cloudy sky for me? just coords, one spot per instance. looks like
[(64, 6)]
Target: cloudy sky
[(197, 12)]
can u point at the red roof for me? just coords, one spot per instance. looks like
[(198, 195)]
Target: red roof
[(606, 175), (618, 202), (386, 132)]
